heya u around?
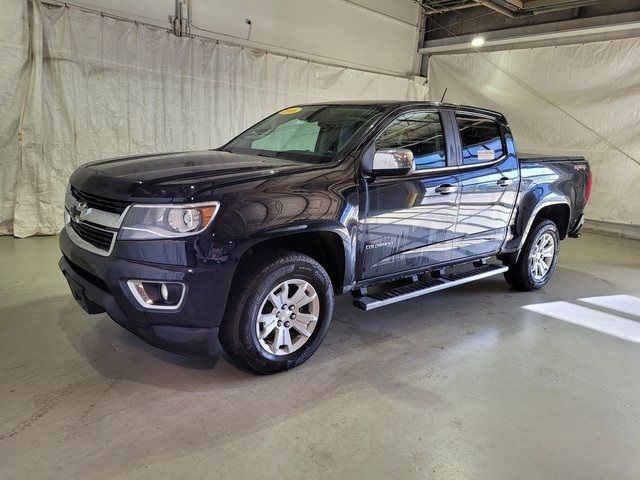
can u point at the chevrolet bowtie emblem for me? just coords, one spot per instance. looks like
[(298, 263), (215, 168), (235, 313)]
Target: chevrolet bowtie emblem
[(79, 210)]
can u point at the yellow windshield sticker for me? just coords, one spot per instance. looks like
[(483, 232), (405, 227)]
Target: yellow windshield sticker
[(290, 111)]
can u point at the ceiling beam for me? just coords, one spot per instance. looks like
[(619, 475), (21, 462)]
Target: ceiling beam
[(502, 9), (516, 9), (515, 3), (506, 39), (544, 6), (550, 3), (435, 9)]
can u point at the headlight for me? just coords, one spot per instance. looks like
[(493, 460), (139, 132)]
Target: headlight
[(144, 222)]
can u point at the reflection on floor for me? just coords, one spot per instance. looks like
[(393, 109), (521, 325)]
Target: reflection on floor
[(595, 319), (460, 384)]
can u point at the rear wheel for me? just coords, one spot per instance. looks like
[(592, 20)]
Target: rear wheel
[(537, 260), (278, 313)]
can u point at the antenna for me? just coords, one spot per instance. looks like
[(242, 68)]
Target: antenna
[(443, 95)]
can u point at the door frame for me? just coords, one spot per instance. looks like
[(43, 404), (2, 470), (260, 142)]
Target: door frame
[(462, 169), (368, 148)]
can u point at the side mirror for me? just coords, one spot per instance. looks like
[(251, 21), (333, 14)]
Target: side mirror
[(393, 162)]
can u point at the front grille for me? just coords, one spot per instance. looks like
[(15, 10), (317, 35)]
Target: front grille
[(98, 237), (99, 203)]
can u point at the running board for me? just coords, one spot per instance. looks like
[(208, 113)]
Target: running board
[(416, 289)]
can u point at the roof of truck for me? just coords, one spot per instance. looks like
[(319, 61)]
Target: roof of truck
[(403, 103)]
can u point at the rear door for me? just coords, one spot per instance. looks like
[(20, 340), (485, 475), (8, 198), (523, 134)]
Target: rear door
[(408, 223), (489, 178)]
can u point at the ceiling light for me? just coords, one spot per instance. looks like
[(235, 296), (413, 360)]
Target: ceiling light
[(477, 41)]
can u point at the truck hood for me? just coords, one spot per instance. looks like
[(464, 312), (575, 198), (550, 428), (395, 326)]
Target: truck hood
[(166, 176)]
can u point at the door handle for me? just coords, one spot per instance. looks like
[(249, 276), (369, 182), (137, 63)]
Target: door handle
[(504, 182), (446, 189)]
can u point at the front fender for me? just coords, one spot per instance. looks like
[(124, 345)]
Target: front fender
[(346, 234)]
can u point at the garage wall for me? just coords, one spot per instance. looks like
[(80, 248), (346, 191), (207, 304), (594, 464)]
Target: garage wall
[(381, 35), (565, 100), (100, 87)]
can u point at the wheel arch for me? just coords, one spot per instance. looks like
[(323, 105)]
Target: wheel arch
[(328, 247), (554, 208), (559, 213)]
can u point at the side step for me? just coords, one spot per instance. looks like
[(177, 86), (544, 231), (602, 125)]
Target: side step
[(416, 289)]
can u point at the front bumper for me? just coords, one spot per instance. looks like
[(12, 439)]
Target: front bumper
[(100, 284)]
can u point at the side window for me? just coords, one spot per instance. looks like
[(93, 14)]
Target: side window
[(481, 139), (420, 132)]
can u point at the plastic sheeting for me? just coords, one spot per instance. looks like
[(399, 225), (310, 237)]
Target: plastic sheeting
[(565, 100), (14, 51), (100, 87)]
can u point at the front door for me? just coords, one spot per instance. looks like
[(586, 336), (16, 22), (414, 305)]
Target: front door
[(407, 223)]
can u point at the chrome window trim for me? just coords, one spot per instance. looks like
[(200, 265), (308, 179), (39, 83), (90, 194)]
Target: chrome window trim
[(491, 163), (428, 171), (459, 168), (145, 305)]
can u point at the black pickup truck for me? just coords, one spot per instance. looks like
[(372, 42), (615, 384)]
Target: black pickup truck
[(248, 243)]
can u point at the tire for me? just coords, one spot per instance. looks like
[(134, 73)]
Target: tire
[(524, 275), (255, 309)]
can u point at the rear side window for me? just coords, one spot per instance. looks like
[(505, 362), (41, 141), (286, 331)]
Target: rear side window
[(420, 132), (481, 139)]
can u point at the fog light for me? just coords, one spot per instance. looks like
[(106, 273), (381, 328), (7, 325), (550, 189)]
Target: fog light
[(159, 295), (171, 292)]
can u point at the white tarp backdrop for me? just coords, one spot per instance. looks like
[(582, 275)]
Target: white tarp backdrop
[(565, 100), (100, 87), (14, 51)]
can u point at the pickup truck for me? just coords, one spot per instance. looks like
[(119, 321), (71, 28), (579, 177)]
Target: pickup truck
[(248, 243)]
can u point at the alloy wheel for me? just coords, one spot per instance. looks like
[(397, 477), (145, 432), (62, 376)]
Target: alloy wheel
[(541, 256), (287, 317)]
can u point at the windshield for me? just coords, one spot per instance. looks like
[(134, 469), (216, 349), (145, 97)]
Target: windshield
[(313, 133)]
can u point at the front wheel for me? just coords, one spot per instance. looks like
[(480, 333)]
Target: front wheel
[(278, 312), (537, 260)]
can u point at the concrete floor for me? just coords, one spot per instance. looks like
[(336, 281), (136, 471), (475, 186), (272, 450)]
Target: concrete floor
[(463, 384)]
